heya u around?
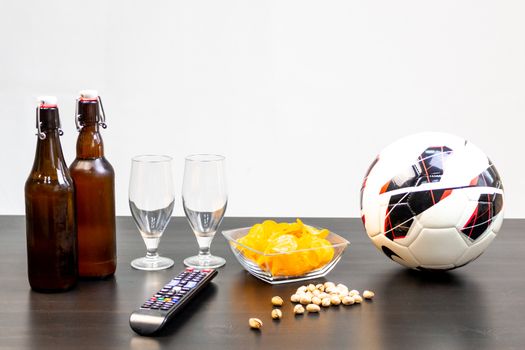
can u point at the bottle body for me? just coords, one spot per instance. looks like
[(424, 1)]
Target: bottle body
[(50, 215), (95, 197), (95, 203)]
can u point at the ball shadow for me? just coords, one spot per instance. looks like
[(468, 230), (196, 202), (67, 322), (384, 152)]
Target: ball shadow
[(433, 310)]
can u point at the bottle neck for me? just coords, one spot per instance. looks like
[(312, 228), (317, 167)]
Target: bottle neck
[(89, 143), (49, 157)]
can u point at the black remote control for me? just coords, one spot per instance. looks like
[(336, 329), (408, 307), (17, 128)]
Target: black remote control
[(161, 307)]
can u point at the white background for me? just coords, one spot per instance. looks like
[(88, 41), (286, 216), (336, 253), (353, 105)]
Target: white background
[(298, 95)]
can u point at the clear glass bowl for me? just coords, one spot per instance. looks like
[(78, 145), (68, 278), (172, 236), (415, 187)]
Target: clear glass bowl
[(263, 272)]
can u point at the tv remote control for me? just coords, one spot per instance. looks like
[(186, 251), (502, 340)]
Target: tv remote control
[(155, 312)]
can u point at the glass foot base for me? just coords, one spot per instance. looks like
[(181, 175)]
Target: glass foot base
[(149, 264), (211, 261)]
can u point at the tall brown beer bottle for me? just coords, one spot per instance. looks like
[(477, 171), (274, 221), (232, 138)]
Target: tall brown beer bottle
[(95, 192), (50, 209)]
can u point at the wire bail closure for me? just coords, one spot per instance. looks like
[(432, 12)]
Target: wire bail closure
[(102, 114), (40, 134), (100, 111)]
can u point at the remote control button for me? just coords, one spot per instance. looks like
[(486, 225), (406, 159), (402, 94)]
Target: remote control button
[(190, 285), (189, 269), (206, 270)]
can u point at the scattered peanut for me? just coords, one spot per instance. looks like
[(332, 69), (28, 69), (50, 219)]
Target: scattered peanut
[(367, 294), (331, 289), (277, 314), (329, 284), (348, 300), (298, 309), (277, 301), (311, 287), (353, 292), (358, 299), (335, 300), (316, 300), (323, 295), (313, 308), (255, 323), (301, 289), (295, 298), (305, 299), (326, 302), (320, 287)]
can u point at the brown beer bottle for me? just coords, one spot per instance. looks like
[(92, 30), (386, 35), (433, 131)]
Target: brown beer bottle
[(50, 209), (95, 192)]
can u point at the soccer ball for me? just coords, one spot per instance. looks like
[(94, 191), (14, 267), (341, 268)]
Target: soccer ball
[(432, 201)]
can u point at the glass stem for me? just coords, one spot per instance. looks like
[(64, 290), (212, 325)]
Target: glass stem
[(152, 254), (204, 253)]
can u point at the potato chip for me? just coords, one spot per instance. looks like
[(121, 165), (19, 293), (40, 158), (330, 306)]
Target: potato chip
[(290, 249)]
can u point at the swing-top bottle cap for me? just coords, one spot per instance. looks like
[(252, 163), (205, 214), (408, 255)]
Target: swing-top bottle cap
[(47, 101), (88, 95)]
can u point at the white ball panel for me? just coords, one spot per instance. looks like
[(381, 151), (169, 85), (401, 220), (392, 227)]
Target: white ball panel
[(446, 213), (464, 164), (372, 218), (434, 247), (470, 206), (498, 221), (407, 259), (476, 249)]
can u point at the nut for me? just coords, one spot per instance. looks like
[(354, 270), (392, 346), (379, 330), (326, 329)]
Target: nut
[(255, 323), (329, 284), (305, 299), (348, 300), (310, 294), (353, 292), (323, 295), (342, 287), (320, 287), (311, 287), (316, 300), (316, 292), (358, 299), (295, 298), (326, 302), (277, 314), (313, 308), (331, 290), (298, 309), (301, 289), (335, 300), (277, 301), (368, 294)]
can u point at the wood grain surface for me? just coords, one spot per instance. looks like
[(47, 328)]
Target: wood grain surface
[(479, 306)]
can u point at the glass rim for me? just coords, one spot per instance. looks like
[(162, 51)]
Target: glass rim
[(205, 157), (151, 158)]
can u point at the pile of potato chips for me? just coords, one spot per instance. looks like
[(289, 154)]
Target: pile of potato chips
[(287, 249)]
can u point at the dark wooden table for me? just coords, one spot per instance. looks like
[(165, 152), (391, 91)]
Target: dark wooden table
[(480, 306)]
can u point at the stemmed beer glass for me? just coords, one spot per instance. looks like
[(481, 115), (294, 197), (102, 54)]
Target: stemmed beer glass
[(204, 198), (151, 200)]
